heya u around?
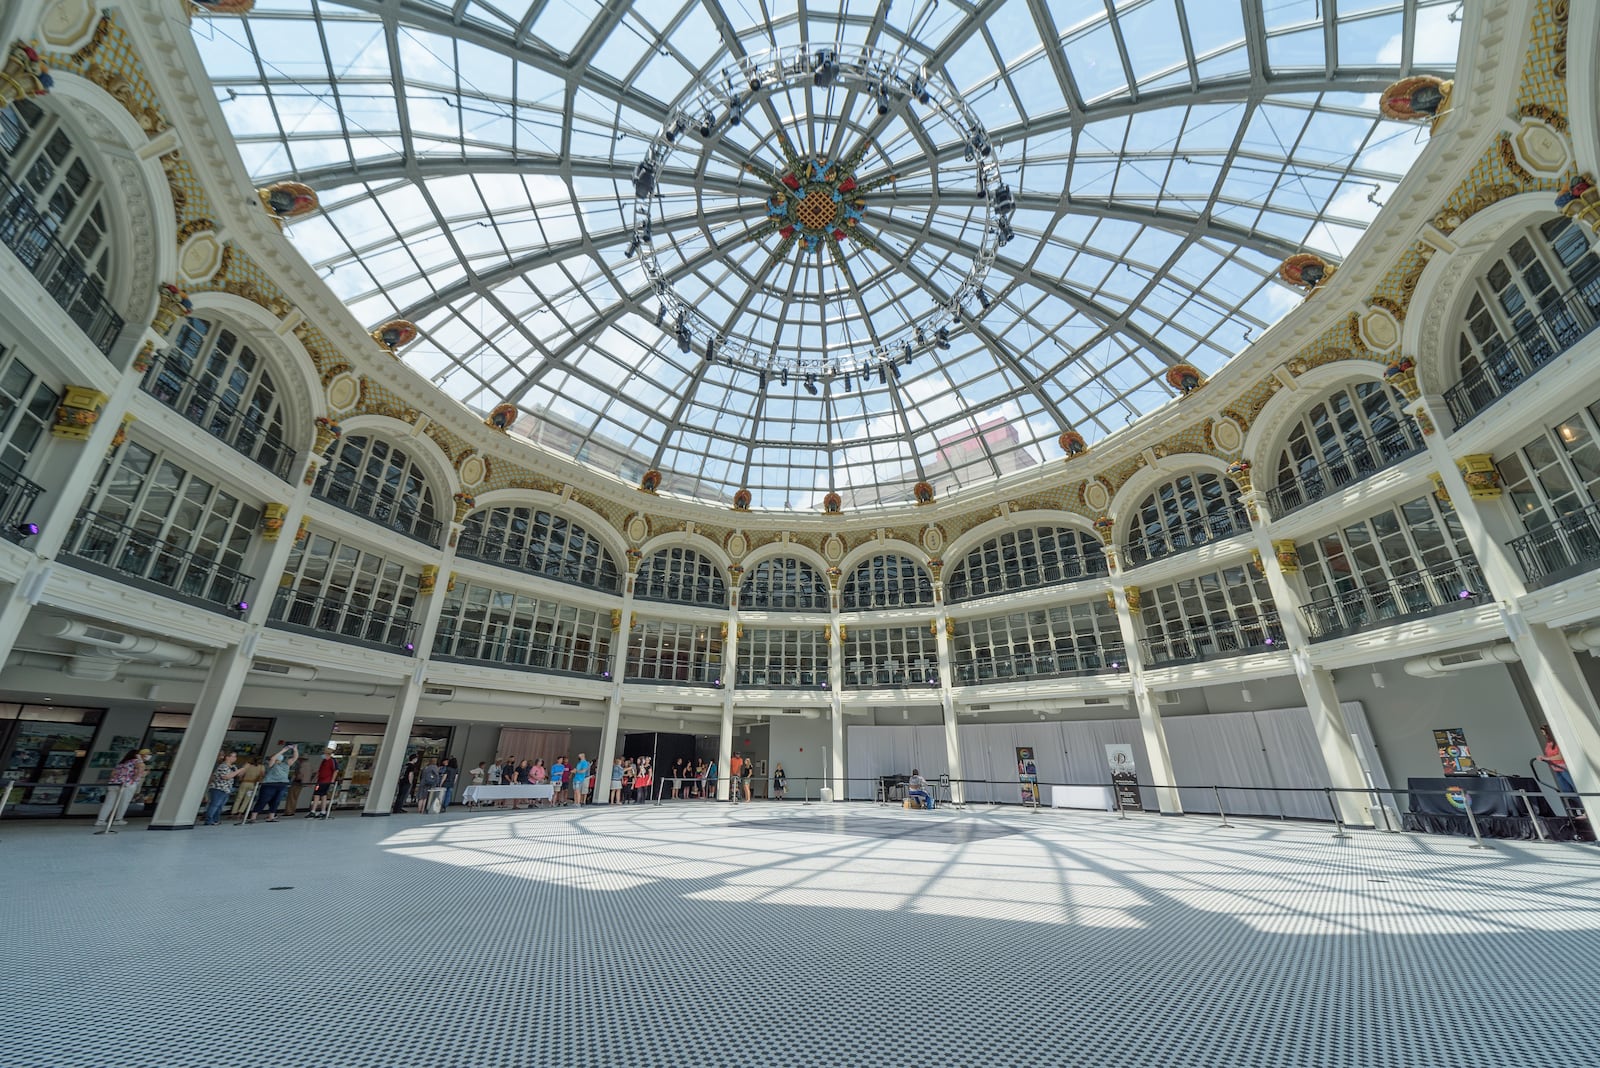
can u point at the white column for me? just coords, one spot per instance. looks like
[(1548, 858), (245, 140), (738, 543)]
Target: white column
[(202, 742), (725, 738), (947, 705), (392, 750), (836, 634), (1316, 684), (619, 660), (1144, 701)]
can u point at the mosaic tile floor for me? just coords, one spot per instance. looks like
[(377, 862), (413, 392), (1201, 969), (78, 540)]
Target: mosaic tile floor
[(785, 934)]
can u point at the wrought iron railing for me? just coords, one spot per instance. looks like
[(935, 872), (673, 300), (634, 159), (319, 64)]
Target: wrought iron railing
[(241, 431), (1569, 545), (1061, 663), (1147, 545), (474, 544), (31, 236), (891, 674), (345, 620), (1421, 593), (1216, 640), (17, 495), (1507, 363), (812, 677), (510, 649), (382, 510), (1361, 459), (994, 582), (671, 672), (144, 557), (782, 597)]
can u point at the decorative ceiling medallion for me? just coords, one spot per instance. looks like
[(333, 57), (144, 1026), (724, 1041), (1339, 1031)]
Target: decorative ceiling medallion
[(66, 25), (833, 548), (472, 470), (1096, 494), (200, 258), (816, 202), (933, 539), (344, 392), (637, 528), (737, 545), (1224, 434), (1379, 330)]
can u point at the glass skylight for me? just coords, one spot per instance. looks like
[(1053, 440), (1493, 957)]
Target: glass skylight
[(476, 161)]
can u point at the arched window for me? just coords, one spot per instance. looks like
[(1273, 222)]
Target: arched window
[(347, 593), (1353, 432), (27, 406), (539, 543), (1410, 560), (522, 630), (681, 576), (1220, 614), (783, 583), (1186, 513), (153, 520), (372, 478), (53, 216), (1553, 481), (885, 582), (1026, 559), (1531, 305), (219, 383)]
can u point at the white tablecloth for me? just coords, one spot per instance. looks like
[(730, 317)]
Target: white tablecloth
[(1082, 797), (474, 794)]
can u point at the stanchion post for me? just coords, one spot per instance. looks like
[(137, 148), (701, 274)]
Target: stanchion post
[(1216, 791), (1117, 795), (5, 798), (1477, 838), (1338, 820), (1532, 815)]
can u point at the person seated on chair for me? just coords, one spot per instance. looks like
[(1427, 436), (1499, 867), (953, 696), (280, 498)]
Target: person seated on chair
[(917, 790)]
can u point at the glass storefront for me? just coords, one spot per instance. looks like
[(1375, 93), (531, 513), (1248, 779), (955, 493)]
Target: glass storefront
[(47, 754)]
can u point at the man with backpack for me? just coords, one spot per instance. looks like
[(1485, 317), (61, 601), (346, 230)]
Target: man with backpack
[(428, 782)]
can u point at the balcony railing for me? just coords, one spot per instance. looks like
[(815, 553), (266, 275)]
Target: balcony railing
[(383, 511), (891, 674), (32, 237), (216, 415), (1569, 546), (1421, 593), (147, 560), (1062, 663), (1361, 459), (1506, 364), (1145, 546), (1216, 640), (474, 544), (327, 617), (521, 651), (673, 672), (765, 597), (812, 677), (17, 495)]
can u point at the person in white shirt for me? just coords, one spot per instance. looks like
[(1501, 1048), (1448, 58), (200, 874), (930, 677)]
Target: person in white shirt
[(478, 773), (917, 789), (494, 773)]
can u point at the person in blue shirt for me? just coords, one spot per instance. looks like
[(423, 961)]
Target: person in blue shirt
[(558, 772), (580, 779), (711, 780)]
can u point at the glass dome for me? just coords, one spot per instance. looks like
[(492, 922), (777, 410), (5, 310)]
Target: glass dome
[(584, 207)]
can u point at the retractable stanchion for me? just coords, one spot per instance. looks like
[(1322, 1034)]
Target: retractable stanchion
[(5, 798), (1538, 827), (1216, 791), (1338, 820), (1478, 842), (1117, 795), (249, 804)]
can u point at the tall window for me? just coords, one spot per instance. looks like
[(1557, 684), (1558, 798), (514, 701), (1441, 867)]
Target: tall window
[(681, 576), (1351, 433), (1026, 559), (150, 518), (522, 630), (662, 651), (27, 405), (539, 543), (221, 385), (783, 583), (788, 659), (1185, 513), (370, 477), (1557, 472), (890, 656), (46, 173), (1081, 638), (887, 581), (1226, 611), (343, 590), (1531, 304)]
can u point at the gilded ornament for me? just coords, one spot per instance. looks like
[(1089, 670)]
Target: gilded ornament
[(1287, 555), (78, 412), (1420, 98), (393, 334), (287, 200), (1306, 270), (23, 75), (428, 580), (272, 518)]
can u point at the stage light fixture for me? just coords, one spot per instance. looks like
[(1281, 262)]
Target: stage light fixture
[(631, 250), (883, 100), (644, 179), (411, 647), (26, 530), (661, 315), (735, 111), (605, 676), (905, 347), (824, 66), (646, 234), (711, 349), (847, 381), (983, 298), (811, 384), (783, 376), (919, 89), (240, 606), (761, 377), (894, 367), (883, 374), (1004, 230), (1004, 202), (944, 337), (685, 339), (675, 131), (708, 122), (755, 80)]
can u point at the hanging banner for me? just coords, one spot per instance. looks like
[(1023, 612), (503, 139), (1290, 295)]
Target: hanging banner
[(1453, 751), (1124, 776), (1027, 775)]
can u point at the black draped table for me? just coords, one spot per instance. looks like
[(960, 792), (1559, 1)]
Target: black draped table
[(1439, 806)]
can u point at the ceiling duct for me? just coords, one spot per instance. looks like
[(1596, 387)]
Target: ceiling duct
[(297, 672), (121, 644), (1436, 667)]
